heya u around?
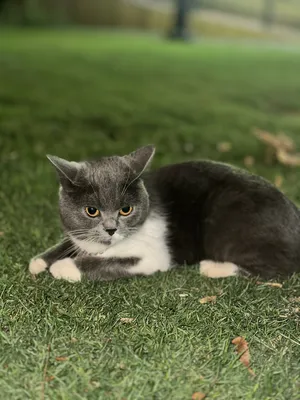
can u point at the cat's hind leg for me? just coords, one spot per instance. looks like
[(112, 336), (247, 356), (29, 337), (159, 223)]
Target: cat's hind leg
[(213, 269)]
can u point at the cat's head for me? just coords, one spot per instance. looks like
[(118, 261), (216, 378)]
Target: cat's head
[(102, 202)]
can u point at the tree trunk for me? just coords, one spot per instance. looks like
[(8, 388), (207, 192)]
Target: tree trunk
[(268, 14), (179, 30)]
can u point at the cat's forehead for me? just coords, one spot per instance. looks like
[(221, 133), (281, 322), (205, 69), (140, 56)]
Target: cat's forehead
[(109, 170), (109, 179)]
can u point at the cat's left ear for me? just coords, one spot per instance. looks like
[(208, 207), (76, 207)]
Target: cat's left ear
[(141, 158), (67, 170)]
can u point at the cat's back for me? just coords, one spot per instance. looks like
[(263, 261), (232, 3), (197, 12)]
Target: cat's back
[(198, 178), (218, 212)]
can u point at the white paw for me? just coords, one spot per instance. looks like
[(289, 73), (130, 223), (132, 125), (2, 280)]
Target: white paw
[(37, 265), (65, 269), (213, 269)]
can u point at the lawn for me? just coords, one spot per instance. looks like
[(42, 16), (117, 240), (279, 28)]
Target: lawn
[(83, 94)]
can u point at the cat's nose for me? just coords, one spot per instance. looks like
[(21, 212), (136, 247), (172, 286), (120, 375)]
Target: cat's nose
[(110, 231)]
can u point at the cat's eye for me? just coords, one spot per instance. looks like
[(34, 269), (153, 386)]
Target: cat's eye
[(126, 211), (92, 212)]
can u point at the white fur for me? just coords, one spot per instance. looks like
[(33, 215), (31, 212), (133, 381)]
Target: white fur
[(65, 269), (37, 265), (89, 247), (148, 244), (213, 269)]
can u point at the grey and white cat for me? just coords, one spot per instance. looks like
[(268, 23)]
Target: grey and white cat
[(120, 221)]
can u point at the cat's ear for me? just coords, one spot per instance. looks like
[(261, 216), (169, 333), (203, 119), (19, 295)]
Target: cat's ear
[(67, 170), (141, 158)]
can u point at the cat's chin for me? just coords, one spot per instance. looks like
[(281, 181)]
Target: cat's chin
[(106, 242), (97, 247), (116, 238), (91, 247)]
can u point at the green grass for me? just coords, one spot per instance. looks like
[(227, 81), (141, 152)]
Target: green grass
[(87, 94)]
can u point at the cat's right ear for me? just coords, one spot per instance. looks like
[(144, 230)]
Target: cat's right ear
[(67, 170)]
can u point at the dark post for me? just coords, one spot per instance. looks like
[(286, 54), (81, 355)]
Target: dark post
[(268, 15), (179, 30)]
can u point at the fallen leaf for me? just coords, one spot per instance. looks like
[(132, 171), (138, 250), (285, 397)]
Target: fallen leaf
[(1, 233), (126, 320), (286, 142), (198, 396), (280, 147), (285, 158), (208, 299), (278, 181), (242, 350), (249, 161), (73, 340), (122, 366), (95, 384), (280, 141), (61, 358), (273, 284), (295, 299), (224, 147), (49, 378)]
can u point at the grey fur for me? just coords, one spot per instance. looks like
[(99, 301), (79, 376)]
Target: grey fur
[(103, 184), (107, 269), (210, 210)]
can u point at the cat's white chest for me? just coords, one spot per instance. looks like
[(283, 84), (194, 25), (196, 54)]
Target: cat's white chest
[(148, 244)]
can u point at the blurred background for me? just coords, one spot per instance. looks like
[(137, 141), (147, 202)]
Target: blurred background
[(206, 17), (216, 79)]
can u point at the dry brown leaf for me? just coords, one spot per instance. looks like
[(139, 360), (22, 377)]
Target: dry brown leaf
[(286, 142), (280, 141), (74, 340), (126, 320), (242, 350), (295, 299), (49, 378), (1, 233), (278, 181), (208, 299), (95, 384), (224, 147), (61, 358), (285, 158), (198, 396), (273, 284)]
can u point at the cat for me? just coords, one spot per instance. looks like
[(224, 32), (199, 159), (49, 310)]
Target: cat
[(120, 220)]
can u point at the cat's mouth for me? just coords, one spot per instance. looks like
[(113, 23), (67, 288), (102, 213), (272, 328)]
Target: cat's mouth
[(106, 242)]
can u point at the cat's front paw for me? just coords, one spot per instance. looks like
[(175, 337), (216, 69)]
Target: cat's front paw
[(65, 269), (37, 265)]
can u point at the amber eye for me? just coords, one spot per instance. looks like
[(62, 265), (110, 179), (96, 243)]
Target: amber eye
[(92, 211), (126, 211)]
